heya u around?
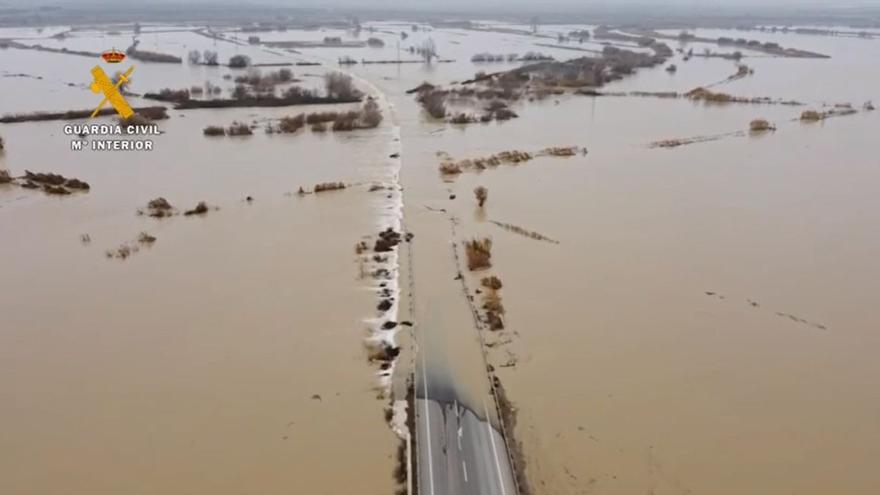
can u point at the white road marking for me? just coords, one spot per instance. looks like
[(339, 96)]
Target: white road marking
[(428, 425), (494, 449), (459, 437), (464, 468)]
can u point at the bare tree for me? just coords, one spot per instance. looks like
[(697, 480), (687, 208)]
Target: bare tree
[(210, 57), (195, 57), (482, 195), (428, 50)]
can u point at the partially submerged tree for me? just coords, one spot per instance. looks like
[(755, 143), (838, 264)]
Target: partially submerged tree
[(482, 194), (239, 61), (195, 57), (210, 57)]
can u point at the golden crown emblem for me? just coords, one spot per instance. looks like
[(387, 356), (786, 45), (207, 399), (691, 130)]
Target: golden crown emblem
[(113, 56)]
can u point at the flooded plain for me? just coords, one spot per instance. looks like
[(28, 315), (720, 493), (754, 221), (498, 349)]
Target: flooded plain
[(706, 322)]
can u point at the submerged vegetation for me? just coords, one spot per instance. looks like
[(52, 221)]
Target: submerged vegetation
[(761, 125), (49, 183), (479, 253)]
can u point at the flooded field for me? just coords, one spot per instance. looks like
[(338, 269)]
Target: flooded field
[(697, 318)]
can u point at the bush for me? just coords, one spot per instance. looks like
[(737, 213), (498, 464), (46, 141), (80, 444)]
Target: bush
[(195, 57), (346, 121), (811, 116), (239, 61), (239, 129), (492, 282), (1, 142), (321, 117), (450, 168), (168, 94), (479, 253), (761, 125), (200, 209), (214, 130), (319, 127), (434, 102), (5, 178), (292, 124)]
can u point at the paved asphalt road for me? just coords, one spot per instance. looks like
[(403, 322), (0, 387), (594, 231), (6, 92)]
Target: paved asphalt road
[(459, 451)]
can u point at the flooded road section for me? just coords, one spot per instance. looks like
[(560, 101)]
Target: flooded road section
[(691, 319)]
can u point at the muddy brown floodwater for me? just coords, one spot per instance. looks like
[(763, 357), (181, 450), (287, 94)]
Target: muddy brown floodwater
[(706, 321)]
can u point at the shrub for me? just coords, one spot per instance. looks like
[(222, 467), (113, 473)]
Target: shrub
[(505, 114), (450, 168), (492, 282), (345, 121), (482, 194), (811, 116), (145, 238), (214, 130), (5, 178), (168, 94), (239, 61), (292, 124), (479, 253), (239, 129), (321, 117), (761, 125), (195, 57), (298, 93), (319, 127), (200, 209), (1, 142), (159, 208)]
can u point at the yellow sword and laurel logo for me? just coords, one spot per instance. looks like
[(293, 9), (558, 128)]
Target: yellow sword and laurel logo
[(103, 84)]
